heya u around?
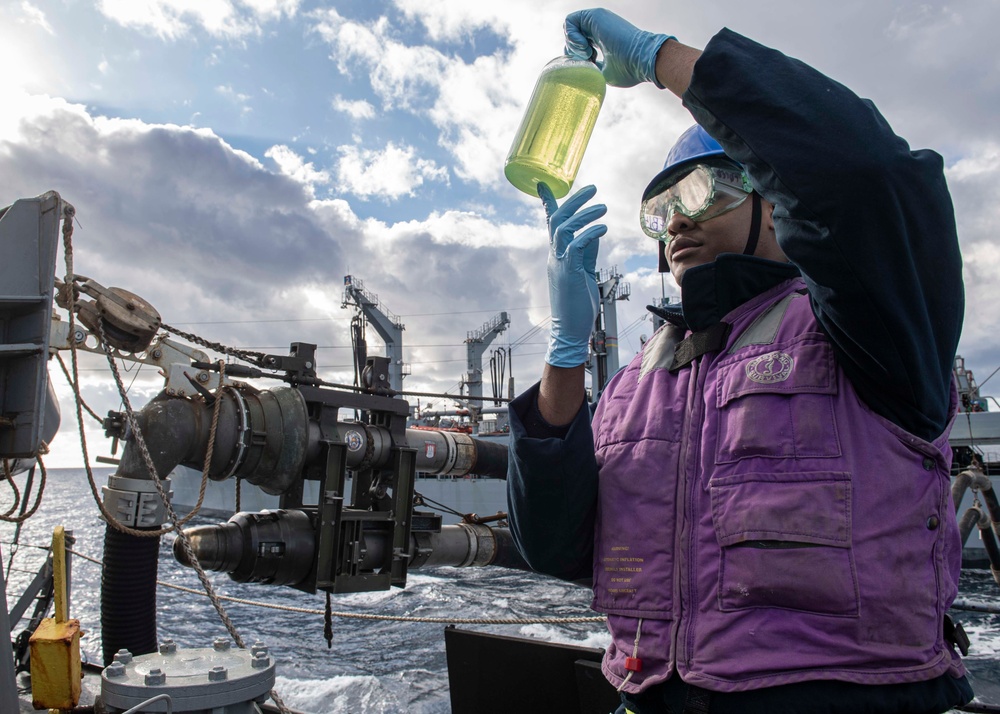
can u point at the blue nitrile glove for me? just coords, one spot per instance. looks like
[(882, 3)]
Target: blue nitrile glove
[(572, 265), (629, 53)]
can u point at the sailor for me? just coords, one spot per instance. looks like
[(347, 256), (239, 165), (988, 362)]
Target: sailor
[(761, 497)]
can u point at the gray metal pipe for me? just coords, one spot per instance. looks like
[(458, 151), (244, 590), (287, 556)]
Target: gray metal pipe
[(267, 438), (279, 547)]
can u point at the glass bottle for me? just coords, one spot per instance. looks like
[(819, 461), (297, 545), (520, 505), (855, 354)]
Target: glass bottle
[(557, 124)]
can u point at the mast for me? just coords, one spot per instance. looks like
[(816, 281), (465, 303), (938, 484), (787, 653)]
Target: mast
[(387, 325), (476, 343), (604, 343)]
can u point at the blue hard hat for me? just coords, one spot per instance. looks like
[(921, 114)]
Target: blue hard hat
[(694, 145)]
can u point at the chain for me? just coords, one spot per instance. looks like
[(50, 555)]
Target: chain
[(245, 355), (258, 358)]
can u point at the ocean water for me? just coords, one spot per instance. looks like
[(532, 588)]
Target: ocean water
[(373, 666)]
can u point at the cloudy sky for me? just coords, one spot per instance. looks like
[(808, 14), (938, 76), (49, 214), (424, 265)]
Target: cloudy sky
[(232, 160)]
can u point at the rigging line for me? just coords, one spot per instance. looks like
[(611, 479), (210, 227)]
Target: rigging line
[(396, 618), (634, 324), (530, 333), (468, 312), (543, 327), (436, 504), (989, 378), (334, 318), (24, 507), (134, 377), (372, 616), (69, 379), (67, 231), (255, 322), (449, 345), (27, 545)]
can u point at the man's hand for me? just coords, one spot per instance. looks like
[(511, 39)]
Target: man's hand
[(629, 53), (572, 265)]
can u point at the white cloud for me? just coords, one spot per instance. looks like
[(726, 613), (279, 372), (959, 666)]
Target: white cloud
[(207, 233), (466, 229), (241, 99), (272, 9), (390, 173), (171, 210), (974, 182), (921, 21), (356, 108), (293, 166), (985, 160), (35, 16), (400, 75), (472, 104), (211, 234), (171, 19), (455, 21)]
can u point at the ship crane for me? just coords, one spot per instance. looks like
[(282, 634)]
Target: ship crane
[(476, 343), (604, 342), (388, 326)]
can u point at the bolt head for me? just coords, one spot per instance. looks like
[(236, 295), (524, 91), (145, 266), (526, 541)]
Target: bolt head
[(221, 644), (155, 676), (260, 661), (123, 656), (202, 377), (217, 674), (168, 647), (115, 669), (257, 648)]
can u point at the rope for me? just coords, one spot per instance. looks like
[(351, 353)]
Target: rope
[(375, 616), (140, 443), (70, 380), (422, 500), (399, 618), (6, 517)]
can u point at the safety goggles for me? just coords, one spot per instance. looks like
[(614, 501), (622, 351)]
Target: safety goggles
[(704, 192)]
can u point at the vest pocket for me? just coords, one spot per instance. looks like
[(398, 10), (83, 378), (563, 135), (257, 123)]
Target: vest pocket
[(785, 542), (778, 404)]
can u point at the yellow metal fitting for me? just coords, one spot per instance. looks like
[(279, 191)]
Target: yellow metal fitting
[(55, 645)]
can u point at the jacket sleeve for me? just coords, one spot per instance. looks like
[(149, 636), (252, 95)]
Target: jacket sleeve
[(869, 222), (552, 493)]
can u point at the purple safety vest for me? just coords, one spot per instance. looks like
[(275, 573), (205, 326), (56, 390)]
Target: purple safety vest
[(759, 525)]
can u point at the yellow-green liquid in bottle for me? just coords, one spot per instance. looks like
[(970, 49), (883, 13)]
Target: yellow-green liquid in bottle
[(550, 143)]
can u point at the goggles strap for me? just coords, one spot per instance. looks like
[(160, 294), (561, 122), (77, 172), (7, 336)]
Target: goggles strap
[(754, 236)]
